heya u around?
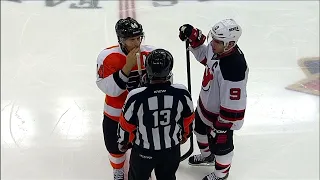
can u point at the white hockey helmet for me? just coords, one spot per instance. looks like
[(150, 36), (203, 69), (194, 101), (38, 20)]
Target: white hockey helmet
[(226, 30)]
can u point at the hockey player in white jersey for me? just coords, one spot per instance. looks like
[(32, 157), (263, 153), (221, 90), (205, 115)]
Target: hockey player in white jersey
[(223, 96)]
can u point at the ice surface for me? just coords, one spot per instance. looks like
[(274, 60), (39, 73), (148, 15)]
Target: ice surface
[(51, 108)]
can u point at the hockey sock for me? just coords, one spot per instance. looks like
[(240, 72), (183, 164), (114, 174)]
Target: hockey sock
[(203, 144), (117, 160), (223, 164)]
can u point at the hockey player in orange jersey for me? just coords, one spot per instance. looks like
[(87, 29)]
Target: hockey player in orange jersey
[(117, 74)]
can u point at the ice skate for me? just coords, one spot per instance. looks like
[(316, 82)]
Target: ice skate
[(199, 160), (118, 174), (212, 176)]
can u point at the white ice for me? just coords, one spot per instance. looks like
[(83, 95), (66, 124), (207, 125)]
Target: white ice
[(51, 108)]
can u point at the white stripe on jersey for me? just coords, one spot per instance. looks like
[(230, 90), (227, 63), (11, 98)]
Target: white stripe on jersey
[(168, 101), (128, 113), (142, 128), (189, 102), (179, 111), (121, 134), (167, 138), (176, 134), (156, 138), (153, 103)]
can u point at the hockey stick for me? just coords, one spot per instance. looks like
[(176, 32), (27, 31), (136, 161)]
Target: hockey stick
[(139, 64), (190, 151), (139, 68)]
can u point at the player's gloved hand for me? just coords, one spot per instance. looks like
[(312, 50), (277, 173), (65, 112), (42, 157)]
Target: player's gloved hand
[(186, 135), (124, 147), (194, 35), (183, 140), (144, 81)]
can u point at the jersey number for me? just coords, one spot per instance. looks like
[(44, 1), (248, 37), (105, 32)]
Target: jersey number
[(162, 117), (235, 93)]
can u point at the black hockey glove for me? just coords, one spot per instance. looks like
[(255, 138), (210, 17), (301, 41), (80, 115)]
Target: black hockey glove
[(124, 147), (194, 35), (144, 81), (185, 31)]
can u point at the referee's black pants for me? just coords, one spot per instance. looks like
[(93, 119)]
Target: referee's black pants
[(164, 162)]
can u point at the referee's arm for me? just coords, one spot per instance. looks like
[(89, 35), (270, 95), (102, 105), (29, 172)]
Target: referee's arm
[(127, 124), (188, 116)]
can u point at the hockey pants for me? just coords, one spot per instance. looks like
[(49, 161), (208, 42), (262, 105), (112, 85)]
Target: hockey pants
[(110, 129)]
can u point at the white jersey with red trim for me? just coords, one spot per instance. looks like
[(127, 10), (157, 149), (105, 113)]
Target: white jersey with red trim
[(223, 95), (113, 82)]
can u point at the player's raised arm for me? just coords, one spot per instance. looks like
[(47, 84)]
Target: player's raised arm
[(196, 39), (111, 80), (127, 123)]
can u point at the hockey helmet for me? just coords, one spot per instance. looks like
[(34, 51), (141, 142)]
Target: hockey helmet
[(159, 64), (127, 28), (226, 31)]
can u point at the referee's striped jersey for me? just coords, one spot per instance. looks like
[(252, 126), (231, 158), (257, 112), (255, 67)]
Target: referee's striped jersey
[(156, 117)]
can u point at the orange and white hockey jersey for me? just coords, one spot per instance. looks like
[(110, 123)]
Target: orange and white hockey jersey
[(112, 81)]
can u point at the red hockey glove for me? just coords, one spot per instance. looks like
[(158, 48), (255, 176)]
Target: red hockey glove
[(194, 35)]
